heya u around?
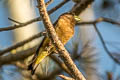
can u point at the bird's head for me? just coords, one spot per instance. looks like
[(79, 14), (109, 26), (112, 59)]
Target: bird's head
[(70, 17)]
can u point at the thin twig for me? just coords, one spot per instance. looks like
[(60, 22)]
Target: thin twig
[(65, 77), (20, 25), (57, 43), (102, 19), (48, 3), (104, 45), (19, 44), (14, 21), (33, 20)]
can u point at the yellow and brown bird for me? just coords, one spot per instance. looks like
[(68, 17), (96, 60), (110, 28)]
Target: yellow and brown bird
[(64, 28)]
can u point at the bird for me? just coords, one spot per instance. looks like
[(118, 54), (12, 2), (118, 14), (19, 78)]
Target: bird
[(64, 28)]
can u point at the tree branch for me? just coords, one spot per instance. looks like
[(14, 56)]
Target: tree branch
[(57, 43), (19, 44), (17, 57)]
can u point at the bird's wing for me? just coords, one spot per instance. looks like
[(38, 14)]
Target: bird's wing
[(38, 56), (42, 45), (37, 51)]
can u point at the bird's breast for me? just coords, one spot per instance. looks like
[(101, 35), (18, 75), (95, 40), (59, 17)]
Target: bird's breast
[(65, 31)]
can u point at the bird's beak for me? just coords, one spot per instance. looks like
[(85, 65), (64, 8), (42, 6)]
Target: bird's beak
[(77, 18)]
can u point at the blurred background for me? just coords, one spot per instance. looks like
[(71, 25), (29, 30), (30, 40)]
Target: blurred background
[(97, 58)]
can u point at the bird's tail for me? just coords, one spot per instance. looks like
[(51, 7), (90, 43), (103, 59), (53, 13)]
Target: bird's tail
[(36, 61), (32, 66)]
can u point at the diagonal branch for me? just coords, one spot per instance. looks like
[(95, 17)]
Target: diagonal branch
[(22, 43), (57, 43), (104, 45), (17, 57)]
